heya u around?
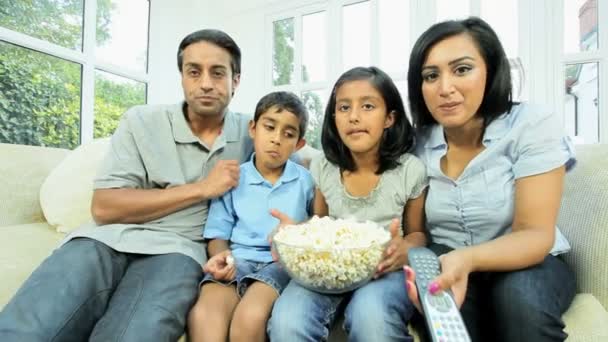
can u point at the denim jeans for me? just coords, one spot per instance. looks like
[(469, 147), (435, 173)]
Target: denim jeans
[(87, 291), (523, 305), (247, 272), (379, 311)]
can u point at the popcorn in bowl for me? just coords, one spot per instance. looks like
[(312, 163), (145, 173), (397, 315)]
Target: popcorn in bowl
[(331, 255)]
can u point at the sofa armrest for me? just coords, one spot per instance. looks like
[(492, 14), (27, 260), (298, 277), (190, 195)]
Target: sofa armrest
[(22, 171), (584, 220)]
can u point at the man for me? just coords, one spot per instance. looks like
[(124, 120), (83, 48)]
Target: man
[(134, 275)]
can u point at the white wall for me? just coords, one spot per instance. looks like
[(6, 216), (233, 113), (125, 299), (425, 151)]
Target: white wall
[(170, 22)]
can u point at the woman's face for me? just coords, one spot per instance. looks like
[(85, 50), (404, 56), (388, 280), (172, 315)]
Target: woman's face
[(453, 81)]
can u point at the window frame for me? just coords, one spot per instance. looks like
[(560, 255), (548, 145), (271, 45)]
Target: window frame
[(87, 60)]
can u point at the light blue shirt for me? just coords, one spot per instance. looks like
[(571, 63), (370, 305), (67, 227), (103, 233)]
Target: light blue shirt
[(479, 205), (242, 215)]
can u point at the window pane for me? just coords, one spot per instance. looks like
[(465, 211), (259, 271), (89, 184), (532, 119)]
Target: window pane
[(453, 9), (502, 16), (356, 30), (122, 33), (314, 45), (39, 98), (55, 21), (282, 57), (394, 34), (582, 103), (113, 96), (580, 25), (315, 103)]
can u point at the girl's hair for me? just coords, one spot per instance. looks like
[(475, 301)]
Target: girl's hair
[(497, 98), (396, 139)]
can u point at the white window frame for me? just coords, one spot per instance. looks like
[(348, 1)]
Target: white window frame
[(86, 58), (540, 46)]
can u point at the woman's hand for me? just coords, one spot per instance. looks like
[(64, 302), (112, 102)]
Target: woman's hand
[(456, 266), (221, 266), (395, 255)]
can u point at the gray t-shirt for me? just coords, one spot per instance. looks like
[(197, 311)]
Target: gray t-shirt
[(154, 148), (384, 203)]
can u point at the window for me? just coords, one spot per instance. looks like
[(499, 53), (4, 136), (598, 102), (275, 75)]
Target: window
[(356, 32), (581, 67), (70, 68)]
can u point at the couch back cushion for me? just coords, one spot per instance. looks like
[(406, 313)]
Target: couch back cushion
[(583, 219), (65, 195), (22, 171)]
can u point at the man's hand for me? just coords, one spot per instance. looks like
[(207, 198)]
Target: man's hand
[(221, 266), (223, 177)]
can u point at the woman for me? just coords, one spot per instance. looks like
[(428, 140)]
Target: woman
[(496, 171)]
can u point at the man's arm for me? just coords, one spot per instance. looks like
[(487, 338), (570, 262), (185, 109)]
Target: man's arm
[(126, 205)]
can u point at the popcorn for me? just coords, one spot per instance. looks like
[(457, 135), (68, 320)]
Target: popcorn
[(330, 255), (229, 260)]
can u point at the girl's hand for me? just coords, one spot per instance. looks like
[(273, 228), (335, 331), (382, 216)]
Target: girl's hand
[(456, 266), (221, 266), (284, 220), (395, 255)]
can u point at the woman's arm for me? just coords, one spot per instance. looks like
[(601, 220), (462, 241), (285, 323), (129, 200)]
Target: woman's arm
[(537, 201), (319, 206), (414, 219)]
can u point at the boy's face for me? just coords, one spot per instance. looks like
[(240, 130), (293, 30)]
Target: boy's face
[(275, 137)]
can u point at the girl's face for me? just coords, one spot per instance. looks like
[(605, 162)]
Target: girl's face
[(454, 81), (361, 116)]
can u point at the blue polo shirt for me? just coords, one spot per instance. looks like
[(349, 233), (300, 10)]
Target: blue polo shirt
[(242, 215), (479, 205)]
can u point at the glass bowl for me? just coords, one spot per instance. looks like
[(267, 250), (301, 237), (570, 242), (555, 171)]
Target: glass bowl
[(331, 256)]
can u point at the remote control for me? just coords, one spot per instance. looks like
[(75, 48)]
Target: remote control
[(441, 314)]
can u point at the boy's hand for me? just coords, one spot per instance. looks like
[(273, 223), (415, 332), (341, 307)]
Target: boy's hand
[(284, 220), (395, 255), (221, 266)]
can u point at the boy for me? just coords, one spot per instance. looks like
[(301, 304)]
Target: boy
[(242, 281)]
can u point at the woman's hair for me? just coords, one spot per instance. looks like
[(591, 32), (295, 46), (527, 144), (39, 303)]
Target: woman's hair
[(396, 139), (497, 98)]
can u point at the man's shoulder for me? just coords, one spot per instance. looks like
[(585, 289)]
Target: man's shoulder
[(149, 112)]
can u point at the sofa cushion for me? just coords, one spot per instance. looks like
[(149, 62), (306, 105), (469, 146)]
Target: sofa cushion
[(23, 169), (583, 219), (22, 249), (65, 195), (586, 320)]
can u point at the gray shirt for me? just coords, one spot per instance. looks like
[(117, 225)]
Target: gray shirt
[(154, 148), (384, 203)]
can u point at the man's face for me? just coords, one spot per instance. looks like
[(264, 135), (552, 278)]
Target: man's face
[(207, 79)]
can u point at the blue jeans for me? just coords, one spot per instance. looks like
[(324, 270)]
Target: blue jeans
[(523, 305), (379, 311), (269, 273), (87, 291)]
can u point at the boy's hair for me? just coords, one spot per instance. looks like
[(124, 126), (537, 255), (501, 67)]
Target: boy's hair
[(396, 139), (283, 100), (497, 98), (215, 37)]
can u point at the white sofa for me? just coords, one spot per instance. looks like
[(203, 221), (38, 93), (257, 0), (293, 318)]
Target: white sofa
[(26, 238)]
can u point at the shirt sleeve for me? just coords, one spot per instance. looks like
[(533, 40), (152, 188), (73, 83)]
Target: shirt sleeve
[(416, 179), (122, 166), (221, 218), (542, 145)]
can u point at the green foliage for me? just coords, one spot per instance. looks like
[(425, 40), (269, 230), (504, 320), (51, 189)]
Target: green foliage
[(283, 51), (40, 94)]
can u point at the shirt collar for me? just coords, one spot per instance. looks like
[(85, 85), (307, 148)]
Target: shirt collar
[(497, 128), (183, 134), (436, 137), (290, 172)]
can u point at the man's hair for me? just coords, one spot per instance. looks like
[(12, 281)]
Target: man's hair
[(396, 139), (215, 37), (497, 98), (283, 101)]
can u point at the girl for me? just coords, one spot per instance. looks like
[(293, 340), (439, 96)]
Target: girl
[(365, 174)]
